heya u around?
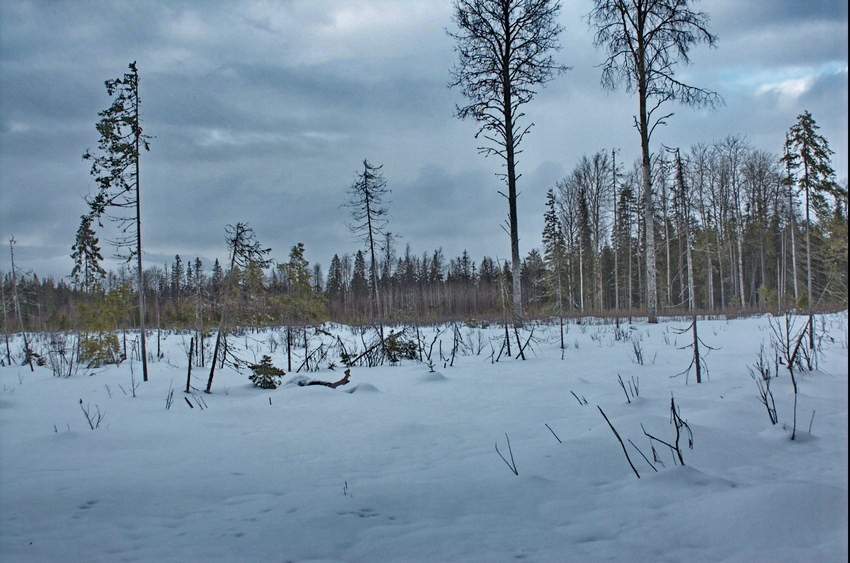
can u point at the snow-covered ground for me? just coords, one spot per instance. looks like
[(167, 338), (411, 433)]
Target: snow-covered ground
[(404, 468)]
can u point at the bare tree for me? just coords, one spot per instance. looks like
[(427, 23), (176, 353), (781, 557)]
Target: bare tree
[(645, 40), (504, 50), (369, 211), (245, 253)]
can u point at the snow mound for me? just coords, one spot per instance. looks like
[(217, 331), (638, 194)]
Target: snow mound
[(298, 381), (362, 387), (431, 376)]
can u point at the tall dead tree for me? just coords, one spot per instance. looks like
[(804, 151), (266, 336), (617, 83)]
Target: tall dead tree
[(245, 253), (18, 313), (369, 211), (645, 40), (504, 51)]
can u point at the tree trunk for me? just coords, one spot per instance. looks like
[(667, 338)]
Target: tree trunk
[(139, 243), (651, 284), (810, 304)]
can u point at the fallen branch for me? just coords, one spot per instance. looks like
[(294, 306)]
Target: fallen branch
[(333, 385)]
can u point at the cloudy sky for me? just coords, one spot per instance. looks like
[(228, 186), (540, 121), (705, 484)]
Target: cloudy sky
[(263, 111)]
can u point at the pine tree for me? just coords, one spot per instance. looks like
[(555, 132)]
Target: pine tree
[(335, 286), (304, 305), (359, 283), (369, 211), (245, 252)]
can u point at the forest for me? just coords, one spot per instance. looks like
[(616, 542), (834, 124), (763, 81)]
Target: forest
[(747, 253)]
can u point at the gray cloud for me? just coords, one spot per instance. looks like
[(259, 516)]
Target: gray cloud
[(263, 111)]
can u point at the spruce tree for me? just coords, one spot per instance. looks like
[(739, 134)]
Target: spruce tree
[(117, 173), (554, 253), (87, 275), (369, 211), (809, 154)]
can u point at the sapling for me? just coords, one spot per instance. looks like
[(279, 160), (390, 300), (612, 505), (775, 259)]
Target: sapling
[(697, 360), (511, 464), (788, 345), (680, 425), (617, 435), (266, 375), (761, 374), (93, 419)]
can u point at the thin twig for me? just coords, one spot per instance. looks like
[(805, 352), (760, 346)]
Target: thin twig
[(512, 464), (619, 440)]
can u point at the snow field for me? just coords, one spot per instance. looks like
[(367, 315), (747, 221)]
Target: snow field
[(404, 468)]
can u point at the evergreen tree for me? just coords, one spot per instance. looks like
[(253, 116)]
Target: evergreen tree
[(303, 304), (809, 153), (359, 283), (217, 279), (245, 252), (177, 276), (335, 286), (369, 211), (554, 252), (117, 173), (88, 275)]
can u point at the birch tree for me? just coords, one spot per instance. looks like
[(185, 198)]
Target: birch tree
[(645, 40)]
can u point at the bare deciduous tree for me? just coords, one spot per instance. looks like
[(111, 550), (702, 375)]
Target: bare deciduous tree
[(644, 41), (504, 51)]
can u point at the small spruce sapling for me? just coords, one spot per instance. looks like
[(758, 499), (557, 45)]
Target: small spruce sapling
[(266, 375)]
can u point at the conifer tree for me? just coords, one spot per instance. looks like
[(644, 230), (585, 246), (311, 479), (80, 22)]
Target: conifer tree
[(369, 211), (809, 153), (359, 283), (117, 173), (554, 252), (88, 274), (335, 285), (304, 305), (245, 252)]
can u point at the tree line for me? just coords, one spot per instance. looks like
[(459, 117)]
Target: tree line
[(717, 226)]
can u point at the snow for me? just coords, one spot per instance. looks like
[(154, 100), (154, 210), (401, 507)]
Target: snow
[(401, 465)]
